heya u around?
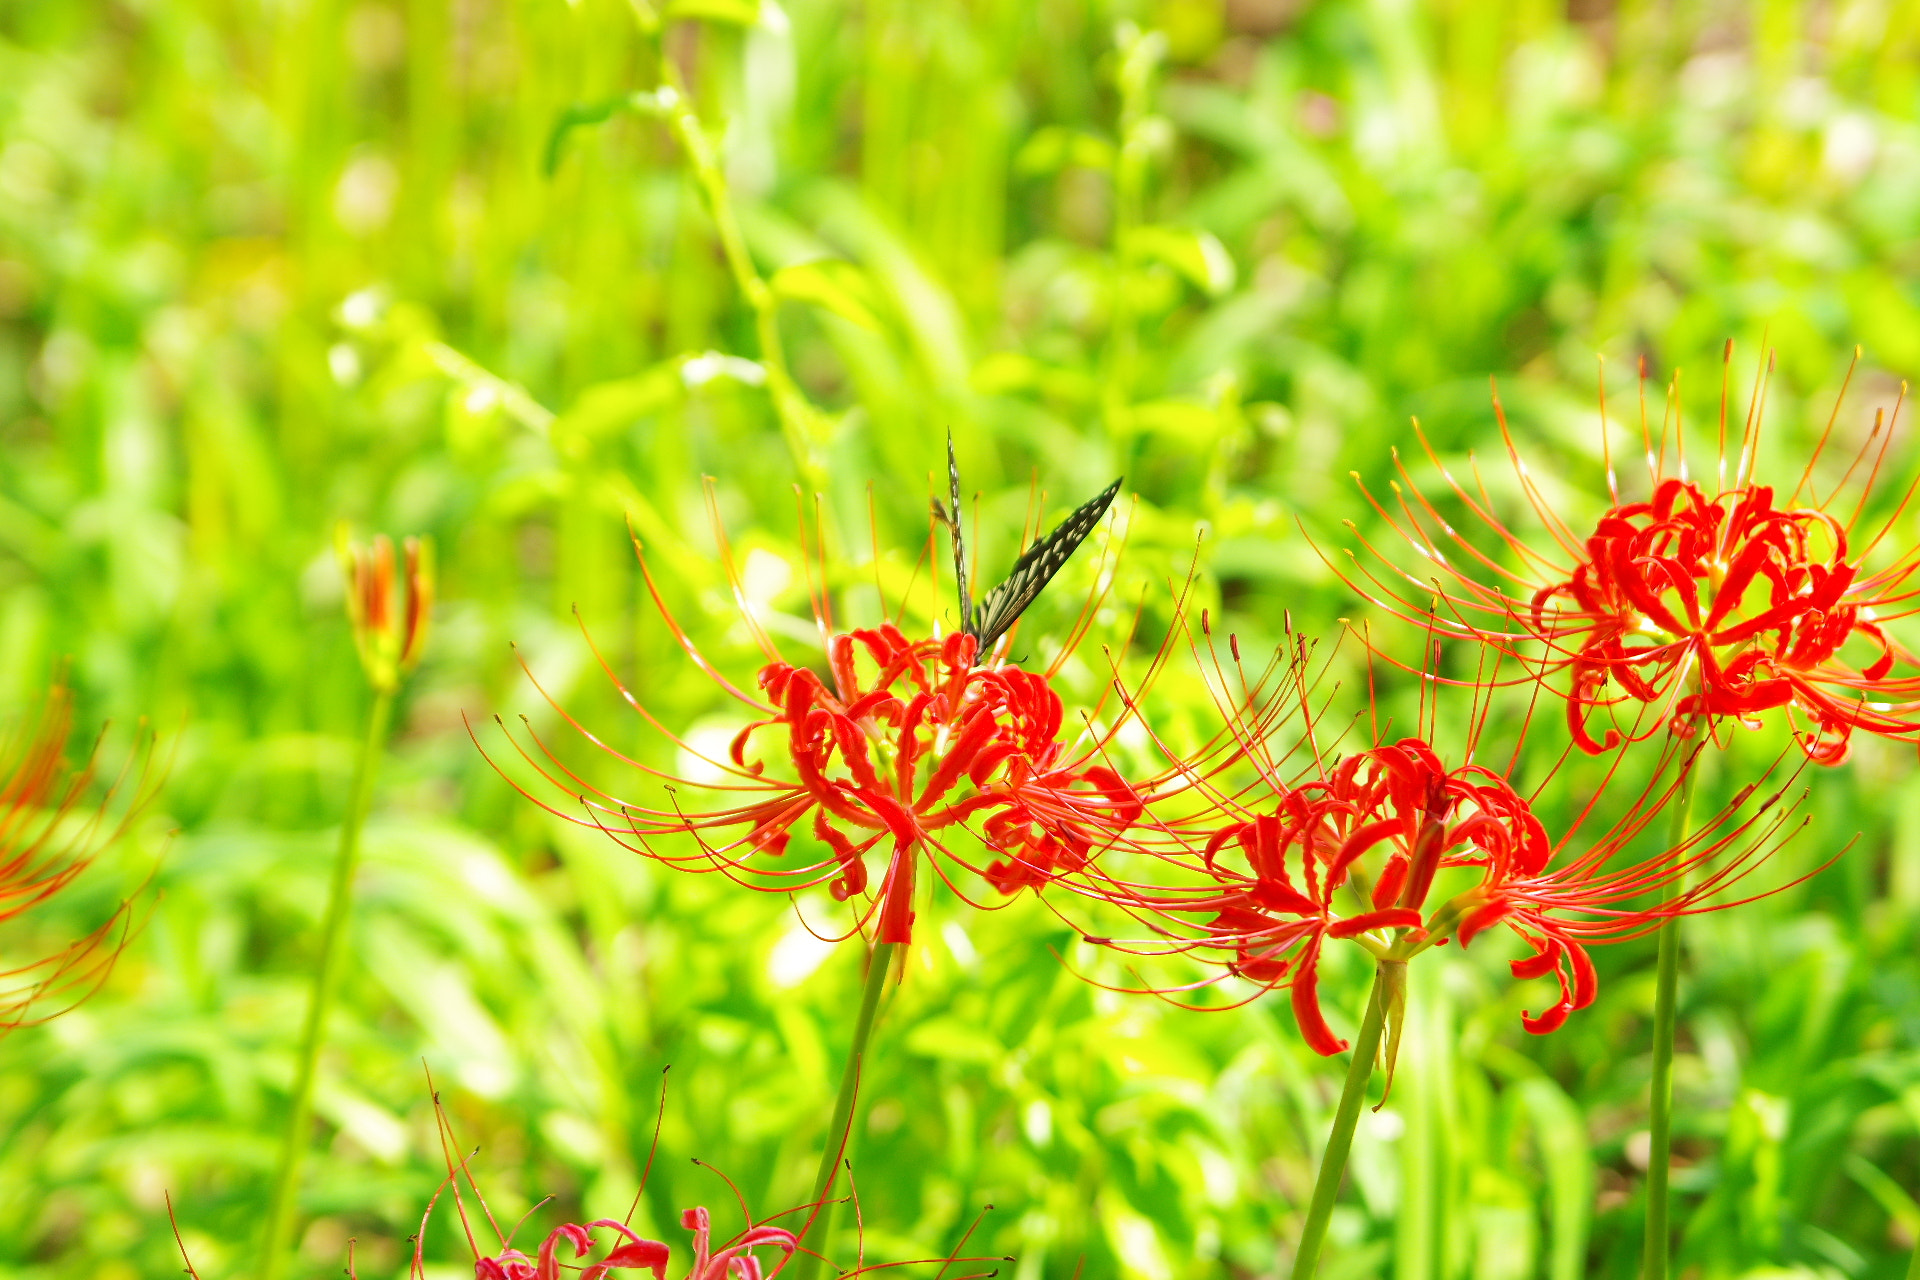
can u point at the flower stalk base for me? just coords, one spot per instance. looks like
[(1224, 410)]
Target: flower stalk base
[(1656, 1264), (280, 1211), (840, 1131), (1333, 1165)]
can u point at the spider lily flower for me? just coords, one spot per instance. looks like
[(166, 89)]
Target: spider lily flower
[(929, 741), (49, 836), (1588, 900), (389, 633), (1388, 808), (1706, 601), (878, 761), (1349, 849), (761, 1250), (1352, 854), (734, 1260), (631, 1253), (741, 1257), (737, 1258)]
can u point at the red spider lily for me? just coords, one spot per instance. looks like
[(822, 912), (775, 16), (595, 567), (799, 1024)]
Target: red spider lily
[(1705, 601), (1390, 807), (1350, 849), (1561, 912), (633, 1254), (733, 1261), (742, 1256), (880, 758), (48, 839)]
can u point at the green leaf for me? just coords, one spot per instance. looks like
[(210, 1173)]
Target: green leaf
[(839, 287), (1197, 255), (737, 13), (589, 113), (1054, 148), (473, 376), (1900, 1206), (607, 407), (1563, 1147), (955, 1040), (1180, 419), (1004, 373)]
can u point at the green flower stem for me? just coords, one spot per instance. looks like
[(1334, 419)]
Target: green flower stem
[(839, 1133), (1665, 1000), (790, 405), (280, 1211), (1913, 1270), (1333, 1165), (1140, 54)]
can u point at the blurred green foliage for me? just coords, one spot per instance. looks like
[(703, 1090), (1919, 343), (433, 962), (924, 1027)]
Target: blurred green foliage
[(268, 266)]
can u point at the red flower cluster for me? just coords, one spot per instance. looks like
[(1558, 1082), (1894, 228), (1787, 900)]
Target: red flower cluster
[(742, 1256), (1705, 604), (1719, 605), (734, 1260), (1391, 816), (931, 740), (47, 841), (879, 759), (1760, 601), (1350, 849)]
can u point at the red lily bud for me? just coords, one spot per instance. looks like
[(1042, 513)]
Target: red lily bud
[(389, 634)]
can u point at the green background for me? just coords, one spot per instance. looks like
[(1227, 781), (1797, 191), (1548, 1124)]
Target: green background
[(270, 264)]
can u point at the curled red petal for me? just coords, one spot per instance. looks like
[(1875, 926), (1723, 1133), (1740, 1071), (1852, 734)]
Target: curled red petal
[(1545, 958), (1306, 1003), (1391, 918), (574, 1233), (1386, 890), (1481, 919)]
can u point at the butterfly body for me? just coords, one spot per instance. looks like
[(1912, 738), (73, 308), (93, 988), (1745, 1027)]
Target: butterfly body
[(1001, 607)]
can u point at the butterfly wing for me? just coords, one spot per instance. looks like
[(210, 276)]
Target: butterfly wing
[(951, 519), (1002, 606)]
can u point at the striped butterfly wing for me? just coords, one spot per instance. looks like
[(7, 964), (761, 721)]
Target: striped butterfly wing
[(1002, 606), (951, 519)]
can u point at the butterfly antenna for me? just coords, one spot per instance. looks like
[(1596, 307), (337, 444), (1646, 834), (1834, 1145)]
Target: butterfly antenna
[(973, 609), (950, 516)]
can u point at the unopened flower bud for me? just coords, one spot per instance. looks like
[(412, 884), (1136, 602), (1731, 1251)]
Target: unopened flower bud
[(388, 634)]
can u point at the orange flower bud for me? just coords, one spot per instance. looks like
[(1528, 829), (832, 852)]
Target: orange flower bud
[(390, 638)]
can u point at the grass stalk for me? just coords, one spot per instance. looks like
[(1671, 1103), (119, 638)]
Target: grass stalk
[(280, 1209), (840, 1131), (1139, 53), (1333, 1165), (1657, 1262), (795, 412)]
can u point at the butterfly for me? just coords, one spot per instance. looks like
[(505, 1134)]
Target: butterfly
[(1001, 607)]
